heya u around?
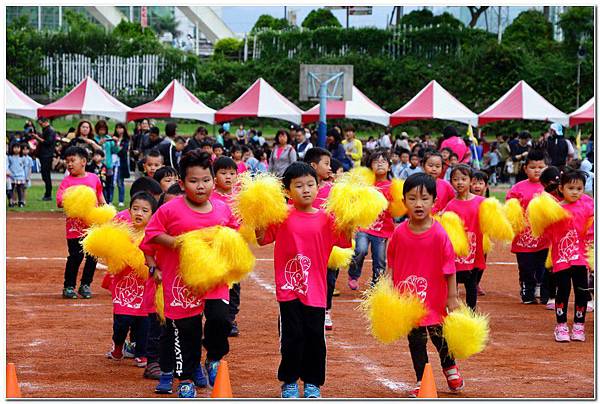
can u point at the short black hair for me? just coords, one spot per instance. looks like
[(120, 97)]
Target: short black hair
[(145, 184), (99, 153), (296, 170), (223, 163), (236, 148), (535, 155), (314, 155), (569, 175), (165, 171), (402, 151), (430, 154), (550, 178), (217, 146), (154, 153), (453, 155), (174, 189), (481, 176), (77, 151), (422, 181), (463, 168), (195, 158), (206, 143), (154, 129), (335, 165), (170, 129), (449, 131), (145, 196), (525, 135), (179, 138)]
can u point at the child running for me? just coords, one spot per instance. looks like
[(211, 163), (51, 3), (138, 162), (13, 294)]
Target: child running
[(550, 180), (479, 187), (432, 165), (379, 232), (531, 251), (183, 309), (466, 205), (76, 159), (303, 243), (431, 275)]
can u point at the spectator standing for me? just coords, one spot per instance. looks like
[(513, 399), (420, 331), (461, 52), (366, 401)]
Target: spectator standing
[(335, 147), (518, 155), (303, 143), (111, 150), (283, 153), (140, 137), (195, 141), (45, 152), (240, 135), (168, 146), (371, 144), (352, 146), (559, 149), (385, 141), (122, 166), (503, 150)]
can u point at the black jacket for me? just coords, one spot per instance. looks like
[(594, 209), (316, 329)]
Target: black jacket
[(169, 153), (45, 149)]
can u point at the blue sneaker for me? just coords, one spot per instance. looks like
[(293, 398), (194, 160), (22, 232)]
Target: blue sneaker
[(200, 377), (186, 390), (211, 369), (290, 390), (165, 383), (311, 391)]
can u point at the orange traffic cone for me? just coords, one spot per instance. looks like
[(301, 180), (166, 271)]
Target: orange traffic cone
[(12, 386), (428, 389), (222, 387)]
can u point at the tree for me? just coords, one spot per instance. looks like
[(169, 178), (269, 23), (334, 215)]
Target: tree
[(229, 47), (321, 17), (530, 31), (267, 21), (23, 59), (577, 22), (165, 23), (475, 14)]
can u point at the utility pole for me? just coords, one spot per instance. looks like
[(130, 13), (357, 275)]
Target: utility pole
[(399, 14), (499, 24), (347, 17), (285, 12), (60, 17)]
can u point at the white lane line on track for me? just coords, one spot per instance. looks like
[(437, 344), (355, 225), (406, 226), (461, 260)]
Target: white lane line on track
[(373, 369)]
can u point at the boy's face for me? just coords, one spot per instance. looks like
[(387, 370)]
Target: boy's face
[(96, 158), (323, 168), (453, 161), (179, 145), (236, 155), (478, 187), (166, 182), (414, 161), (225, 178), (349, 134), (418, 203), (572, 191), (461, 182), (433, 166), (152, 164), (395, 158), (533, 170), (380, 166), (445, 154), (303, 191), (76, 164), (141, 212), (247, 155), (198, 184), (207, 149), (218, 151), (404, 157)]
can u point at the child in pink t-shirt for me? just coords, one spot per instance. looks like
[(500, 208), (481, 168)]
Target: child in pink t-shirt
[(303, 243), (479, 187), (466, 205), (531, 251), (432, 165), (377, 235), (130, 293), (421, 259), (76, 160), (236, 155), (166, 176), (183, 309)]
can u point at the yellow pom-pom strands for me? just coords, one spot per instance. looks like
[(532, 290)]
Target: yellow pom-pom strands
[(493, 222), (455, 229), (340, 257), (466, 332), (260, 201), (361, 175), (544, 211), (397, 207), (515, 215), (80, 202), (391, 314), (487, 244), (159, 303), (548, 263)]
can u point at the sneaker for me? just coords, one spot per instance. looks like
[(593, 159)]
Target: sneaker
[(21, 204), (129, 349), (121, 204), (186, 390), (454, 379), (47, 198), (69, 293), (235, 331), (211, 370), (116, 353), (336, 292), (529, 301), (199, 377), (11, 205), (480, 291), (561, 333), (140, 362), (85, 291), (537, 293), (328, 321), (290, 390), (414, 393), (152, 371), (578, 332), (353, 283), (311, 391), (590, 306), (550, 304), (165, 383)]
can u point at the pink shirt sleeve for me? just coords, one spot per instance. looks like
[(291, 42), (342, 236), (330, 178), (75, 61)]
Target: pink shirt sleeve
[(64, 184), (99, 193), (449, 267), (155, 227)]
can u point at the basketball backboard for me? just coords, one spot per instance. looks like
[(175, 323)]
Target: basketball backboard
[(340, 88)]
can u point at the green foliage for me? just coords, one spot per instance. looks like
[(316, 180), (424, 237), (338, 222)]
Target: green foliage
[(530, 30), (165, 23), (320, 17), (23, 56), (576, 23), (424, 17), (267, 21), (230, 47)]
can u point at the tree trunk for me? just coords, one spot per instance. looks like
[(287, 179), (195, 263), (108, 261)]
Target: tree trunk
[(475, 14)]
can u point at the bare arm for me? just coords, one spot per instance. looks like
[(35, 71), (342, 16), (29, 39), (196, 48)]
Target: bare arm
[(452, 302), (151, 262), (165, 240)]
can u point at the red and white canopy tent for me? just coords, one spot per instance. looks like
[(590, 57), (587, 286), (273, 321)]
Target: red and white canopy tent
[(584, 114), (522, 102), (17, 103), (87, 98), (433, 102), (175, 101), (260, 101), (360, 107)]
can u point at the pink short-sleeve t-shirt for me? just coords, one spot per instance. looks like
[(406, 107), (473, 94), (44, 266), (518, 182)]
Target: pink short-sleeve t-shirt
[(445, 193), (420, 264), (384, 225), (76, 227), (123, 216), (525, 191), (468, 211)]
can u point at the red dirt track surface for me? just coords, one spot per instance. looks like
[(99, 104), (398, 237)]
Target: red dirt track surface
[(58, 345)]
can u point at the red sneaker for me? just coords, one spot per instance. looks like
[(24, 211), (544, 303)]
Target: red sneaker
[(140, 362), (414, 393), (454, 379), (116, 353)]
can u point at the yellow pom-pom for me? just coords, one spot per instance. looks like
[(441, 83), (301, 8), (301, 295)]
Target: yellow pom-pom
[(397, 207), (465, 332), (200, 266), (100, 215), (360, 175), (515, 215), (391, 315), (543, 211), (591, 256), (548, 263), (248, 233), (261, 201), (354, 205), (340, 257), (493, 222), (487, 244), (159, 303), (233, 249), (455, 229), (78, 201)]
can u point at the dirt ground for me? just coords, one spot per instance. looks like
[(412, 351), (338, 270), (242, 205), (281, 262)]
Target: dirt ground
[(58, 346)]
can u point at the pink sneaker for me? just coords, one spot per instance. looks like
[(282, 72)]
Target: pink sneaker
[(578, 332), (454, 379), (353, 283), (561, 333), (550, 304)]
